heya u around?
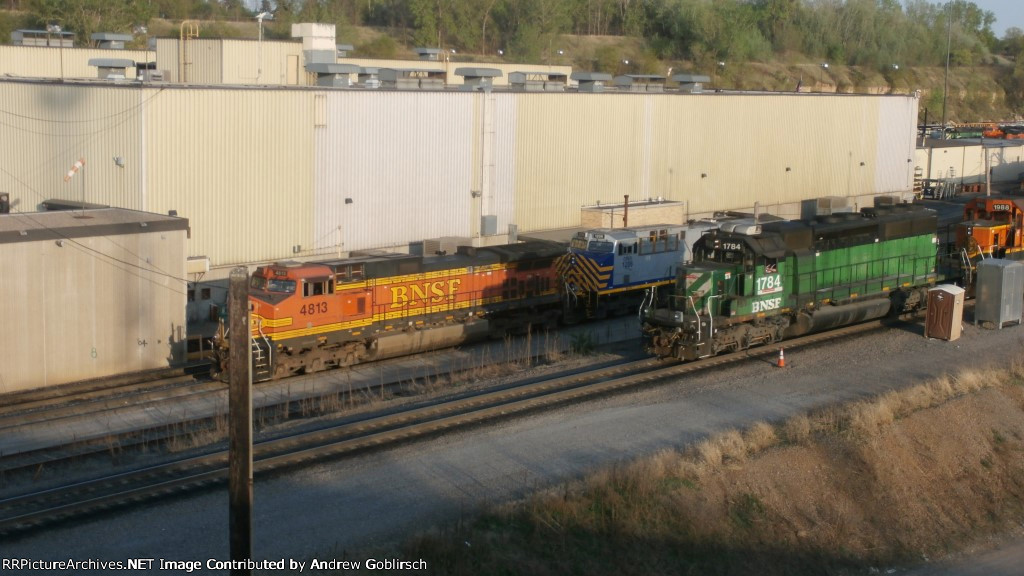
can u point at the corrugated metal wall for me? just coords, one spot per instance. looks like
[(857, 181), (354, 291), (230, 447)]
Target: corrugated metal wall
[(263, 174), (56, 62), (712, 151), (964, 160), (238, 164), (574, 149), (283, 63), (404, 160), (75, 312), (201, 60), (52, 126), (895, 160)]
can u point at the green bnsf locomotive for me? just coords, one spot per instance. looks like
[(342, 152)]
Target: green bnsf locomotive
[(757, 283)]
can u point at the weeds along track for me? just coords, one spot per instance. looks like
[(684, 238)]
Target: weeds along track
[(32, 510), (22, 414), (18, 408)]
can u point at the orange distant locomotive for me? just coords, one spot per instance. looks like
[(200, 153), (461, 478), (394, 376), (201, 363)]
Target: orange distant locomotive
[(993, 227), (307, 317)]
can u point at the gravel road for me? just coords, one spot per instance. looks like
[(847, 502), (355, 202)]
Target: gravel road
[(328, 509)]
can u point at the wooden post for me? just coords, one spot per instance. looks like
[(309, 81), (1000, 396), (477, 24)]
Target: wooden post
[(240, 420)]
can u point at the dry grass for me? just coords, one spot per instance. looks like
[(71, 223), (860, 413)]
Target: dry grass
[(869, 484), (188, 436), (516, 356)]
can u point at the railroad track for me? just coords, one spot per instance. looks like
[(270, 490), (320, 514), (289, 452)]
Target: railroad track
[(32, 510), (19, 408)]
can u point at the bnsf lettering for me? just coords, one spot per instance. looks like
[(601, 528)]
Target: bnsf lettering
[(428, 292), (766, 305)]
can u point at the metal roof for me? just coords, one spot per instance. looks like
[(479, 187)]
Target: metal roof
[(591, 76), (471, 72), (111, 62), (64, 224), (325, 68), (690, 78), (111, 37)]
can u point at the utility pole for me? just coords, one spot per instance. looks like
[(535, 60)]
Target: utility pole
[(240, 420), (945, 80)]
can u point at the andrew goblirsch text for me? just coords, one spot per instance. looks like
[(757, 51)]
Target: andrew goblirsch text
[(190, 566)]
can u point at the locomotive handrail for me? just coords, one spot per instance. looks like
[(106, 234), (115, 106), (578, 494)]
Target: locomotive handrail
[(650, 297), (270, 347), (711, 320)]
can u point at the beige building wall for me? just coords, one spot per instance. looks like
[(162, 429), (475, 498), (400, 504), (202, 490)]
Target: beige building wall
[(76, 311), (237, 162), (265, 174), (391, 168), (639, 214), (238, 61), (56, 62), (227, 61), (711, 151), (195, 61), (967, 160)]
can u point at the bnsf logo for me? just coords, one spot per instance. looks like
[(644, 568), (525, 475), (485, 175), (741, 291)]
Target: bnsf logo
[(766, 305), (428, 292)]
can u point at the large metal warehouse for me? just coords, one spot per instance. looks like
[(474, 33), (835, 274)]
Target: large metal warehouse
[(89, 294), (267, 173)]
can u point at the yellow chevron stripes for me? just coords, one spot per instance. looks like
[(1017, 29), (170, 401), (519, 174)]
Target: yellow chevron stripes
[(583, 272)]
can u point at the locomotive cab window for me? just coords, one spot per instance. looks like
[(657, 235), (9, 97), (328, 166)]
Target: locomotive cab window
[(349, 273), (272, 285), (317, 287)]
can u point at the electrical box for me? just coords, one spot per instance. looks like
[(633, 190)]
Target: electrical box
[(998, 293)]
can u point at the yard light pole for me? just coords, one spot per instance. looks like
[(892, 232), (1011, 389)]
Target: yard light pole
[(56, 29), (259, 63), (945, 78), (137, 30)]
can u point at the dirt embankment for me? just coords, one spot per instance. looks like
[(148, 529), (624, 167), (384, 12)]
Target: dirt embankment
[(901, 479)]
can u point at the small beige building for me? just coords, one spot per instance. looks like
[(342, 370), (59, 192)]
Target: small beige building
[(87, 294)]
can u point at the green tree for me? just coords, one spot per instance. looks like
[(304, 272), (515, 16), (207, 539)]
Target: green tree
[(85, 17)]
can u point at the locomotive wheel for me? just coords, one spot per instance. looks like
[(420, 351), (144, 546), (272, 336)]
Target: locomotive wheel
[(280, 370), (315, 365)]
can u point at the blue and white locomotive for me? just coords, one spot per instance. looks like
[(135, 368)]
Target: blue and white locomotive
[(611, 271)]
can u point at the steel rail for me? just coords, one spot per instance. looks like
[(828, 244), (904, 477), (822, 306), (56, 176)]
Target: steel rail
[(31, 510)]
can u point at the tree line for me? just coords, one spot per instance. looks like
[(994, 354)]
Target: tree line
[(853, 32), (871, 33)]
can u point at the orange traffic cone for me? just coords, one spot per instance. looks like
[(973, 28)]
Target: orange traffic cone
[(782, 359)]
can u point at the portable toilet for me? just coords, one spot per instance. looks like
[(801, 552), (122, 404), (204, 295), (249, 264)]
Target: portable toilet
[(945, 313)]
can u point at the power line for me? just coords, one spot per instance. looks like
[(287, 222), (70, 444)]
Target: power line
[(27, 216)]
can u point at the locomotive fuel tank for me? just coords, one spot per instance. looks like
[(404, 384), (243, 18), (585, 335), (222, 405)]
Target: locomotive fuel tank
[(405, 342), (829, 317)]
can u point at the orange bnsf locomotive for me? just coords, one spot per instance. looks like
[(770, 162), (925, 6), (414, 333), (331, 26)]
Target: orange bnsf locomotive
[(992, 228), (307, 317)]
